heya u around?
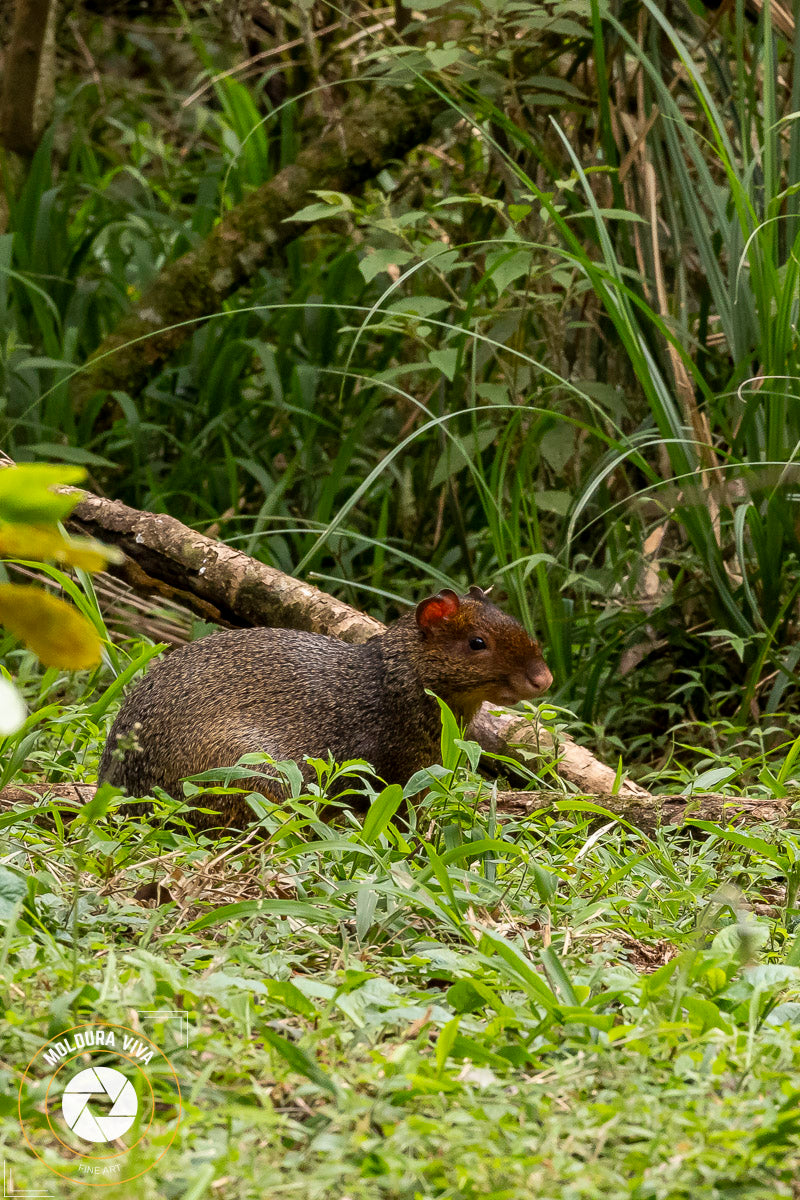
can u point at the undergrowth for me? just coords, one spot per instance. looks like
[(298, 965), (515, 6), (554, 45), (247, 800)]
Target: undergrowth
[(460, 1004)]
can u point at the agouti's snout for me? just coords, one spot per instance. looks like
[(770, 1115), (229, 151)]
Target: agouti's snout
[(535, 679)]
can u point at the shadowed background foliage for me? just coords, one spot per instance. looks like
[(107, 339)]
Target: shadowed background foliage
[(549, 342)]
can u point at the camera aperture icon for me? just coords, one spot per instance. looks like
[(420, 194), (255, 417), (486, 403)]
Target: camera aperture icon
[(104, 1084)]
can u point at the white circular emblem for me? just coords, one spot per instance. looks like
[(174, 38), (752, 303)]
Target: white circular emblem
[(102, 1082)]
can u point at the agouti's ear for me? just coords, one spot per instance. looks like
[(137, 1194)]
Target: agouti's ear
[(434, 609)]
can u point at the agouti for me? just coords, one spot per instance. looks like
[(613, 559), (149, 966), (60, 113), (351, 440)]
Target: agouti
[(293, 694)]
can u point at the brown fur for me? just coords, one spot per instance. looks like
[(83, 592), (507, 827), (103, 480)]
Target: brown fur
[(293, 694)]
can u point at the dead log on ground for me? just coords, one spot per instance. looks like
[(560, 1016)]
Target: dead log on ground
[(656, 812), (647, 814)]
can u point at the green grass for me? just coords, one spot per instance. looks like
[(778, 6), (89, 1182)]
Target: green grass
[(481, 1006), (568, 1012)]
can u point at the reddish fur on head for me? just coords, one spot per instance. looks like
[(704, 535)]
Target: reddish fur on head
[(476, 652)]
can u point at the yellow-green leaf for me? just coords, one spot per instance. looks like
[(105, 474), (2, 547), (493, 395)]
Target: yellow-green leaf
[(25, 492), (53, 629), (49, 544)]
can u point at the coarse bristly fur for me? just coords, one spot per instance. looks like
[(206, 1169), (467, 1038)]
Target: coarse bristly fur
[(294, 694)]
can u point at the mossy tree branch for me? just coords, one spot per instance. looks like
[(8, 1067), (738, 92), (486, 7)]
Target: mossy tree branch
[(367, 136)]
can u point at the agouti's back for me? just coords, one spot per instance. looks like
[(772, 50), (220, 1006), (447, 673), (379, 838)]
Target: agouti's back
[(294, 694)]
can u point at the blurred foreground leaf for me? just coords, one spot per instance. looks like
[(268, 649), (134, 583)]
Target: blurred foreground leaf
[(53, 629), (46, 543)]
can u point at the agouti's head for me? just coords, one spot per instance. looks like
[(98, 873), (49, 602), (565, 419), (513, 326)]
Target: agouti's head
[(472, 651)]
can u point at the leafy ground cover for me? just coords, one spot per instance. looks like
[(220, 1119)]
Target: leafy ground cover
[(475, 1007)]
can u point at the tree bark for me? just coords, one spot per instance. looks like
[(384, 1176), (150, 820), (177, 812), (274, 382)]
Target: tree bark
[(202, 572), (647, 815), (506, 732), (21, 104), (653, 812), (367, 136)]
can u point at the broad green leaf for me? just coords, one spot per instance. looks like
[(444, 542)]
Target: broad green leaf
[(469, 995), (551, 500), (381, 811), (520, 968), (322, 914), (750, 841), (546, 883), (445, 361), (12, 889), (289, 995), (53, 629), (337, 199), (418, 306), (380, 260), (298, 1060), (315, 212), (445, 57), (505, 265), (478, 1051), (96, 808), (558, 446), (784, 1014), (557, 975), (444, 1043), (451, 734), (457, 454), (366, 905), (471, 198), (331, 204), (708, 780), (704, 1013)]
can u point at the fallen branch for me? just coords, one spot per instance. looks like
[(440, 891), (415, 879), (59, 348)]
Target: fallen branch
[(654, 812), (647, 814), (164, 556), (246, 592), (502, 731), (71, 795)]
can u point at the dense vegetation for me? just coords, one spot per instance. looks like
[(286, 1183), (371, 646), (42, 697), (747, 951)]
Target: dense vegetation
[(553, 346), (554, 349)]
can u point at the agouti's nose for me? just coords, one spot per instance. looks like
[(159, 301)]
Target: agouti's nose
[(539, 675)]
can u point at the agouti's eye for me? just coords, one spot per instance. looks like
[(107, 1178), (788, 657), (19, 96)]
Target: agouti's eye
[(477, 643)]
